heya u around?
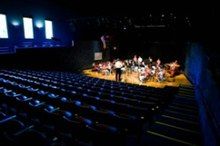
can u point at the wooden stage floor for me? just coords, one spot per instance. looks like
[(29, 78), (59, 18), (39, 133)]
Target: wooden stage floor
[(133, 79)]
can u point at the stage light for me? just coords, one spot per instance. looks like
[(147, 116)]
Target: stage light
[(15, 22), (39, 24)]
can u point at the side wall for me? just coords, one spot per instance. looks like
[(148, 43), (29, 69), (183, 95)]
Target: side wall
[(197, 68)]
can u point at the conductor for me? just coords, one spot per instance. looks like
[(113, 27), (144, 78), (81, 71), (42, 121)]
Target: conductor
[(118, 66)]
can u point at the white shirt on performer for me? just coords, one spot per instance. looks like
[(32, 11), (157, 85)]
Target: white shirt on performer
[(118, 64), (140, 59)]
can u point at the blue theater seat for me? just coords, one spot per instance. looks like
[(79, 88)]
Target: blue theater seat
[(64, 99), (35, 103), (52, 95), (12, 94), (78, 103), (23, 86), (87, 121), (2, 116), (13, 126), (31, 89), (50, 108), (23, 98), (92, 107), (42, 92), (32, 138), (3, 90), (68, 114)]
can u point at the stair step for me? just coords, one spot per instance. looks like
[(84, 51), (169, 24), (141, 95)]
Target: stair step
[(182, 109), (186, 92), (185, 100), (186, 95), (188, 137), (184, 106), (178, 128), (179, 119), (156, 139), (180, 114), (178, 123), (186, 89)]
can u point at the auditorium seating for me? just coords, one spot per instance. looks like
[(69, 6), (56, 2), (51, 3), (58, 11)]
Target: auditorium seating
[(60, 107)]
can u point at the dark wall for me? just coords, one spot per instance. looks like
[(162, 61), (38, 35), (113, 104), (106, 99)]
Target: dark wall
[(16, 10), (166, 51), (81, 56), (75, 58), (207, 92)]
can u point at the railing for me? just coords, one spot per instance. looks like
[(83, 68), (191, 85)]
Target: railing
[(6, 50)]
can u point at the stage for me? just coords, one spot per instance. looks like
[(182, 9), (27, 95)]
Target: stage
[(133, 79)]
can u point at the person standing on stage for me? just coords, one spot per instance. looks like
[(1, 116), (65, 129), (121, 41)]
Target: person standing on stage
[(118, 66), (139, 61)]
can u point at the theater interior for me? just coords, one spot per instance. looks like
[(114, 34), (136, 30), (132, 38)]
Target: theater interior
[(58, 67)]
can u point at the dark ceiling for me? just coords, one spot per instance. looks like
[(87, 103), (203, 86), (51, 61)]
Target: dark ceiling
[(123, 7), (117, 14)]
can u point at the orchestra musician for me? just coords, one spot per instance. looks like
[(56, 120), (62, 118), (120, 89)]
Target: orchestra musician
[(174, 66), (118, 71), (158, 63), (95, 67), (160, 75), (142, 75), (135, 59), (139, 61), (146, 70)]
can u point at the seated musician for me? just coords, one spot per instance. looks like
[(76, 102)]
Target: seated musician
[(135, 59), (142, 75), (147, 72), (174, 68), (160, 76), (150, 60), (158, 63), (95, 67), (109, 67)]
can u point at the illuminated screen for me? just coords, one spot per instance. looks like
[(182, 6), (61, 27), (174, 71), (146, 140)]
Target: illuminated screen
[(28, 28), (48, 29), (3, 27)]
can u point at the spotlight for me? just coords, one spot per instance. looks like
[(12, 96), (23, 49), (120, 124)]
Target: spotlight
[(39, 24), (15, 23)]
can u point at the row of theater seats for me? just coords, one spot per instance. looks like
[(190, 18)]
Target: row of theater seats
[(64, 105)]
